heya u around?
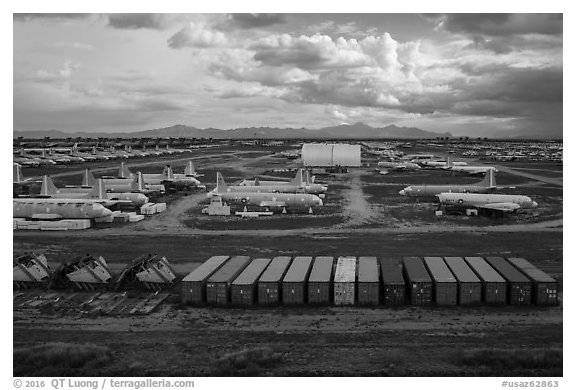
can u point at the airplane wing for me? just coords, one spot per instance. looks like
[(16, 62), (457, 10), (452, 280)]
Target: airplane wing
[(272, 203), (504, 206)]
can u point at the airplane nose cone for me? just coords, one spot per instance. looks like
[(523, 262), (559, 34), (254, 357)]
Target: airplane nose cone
[(321, 196), (104, 212), (534, 204), (320, 202), (403, 192), (142, 199), (324, 188)]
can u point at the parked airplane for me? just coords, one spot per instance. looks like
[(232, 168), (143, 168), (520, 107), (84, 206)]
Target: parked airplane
[(97, 191), (188, 178), (263, 199), (487, 184), (296, 186), (396, 166), (491, 202), (442, 163), (301, 183), (37, 159), (41, 208), (471, 170), (124, 185), (149, 178)]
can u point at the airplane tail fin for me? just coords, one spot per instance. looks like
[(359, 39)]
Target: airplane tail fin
[(48, 187), (124, 172), (449, 161), (88, 180), (112, 149), (220, 183), (93, 149), (167, 173), (21, 151), (18, 177), (309, 178), (138, 182), (489, 179), (75, 148), (44, 153), (157, 147), (99, 190), (189, 170), (298, 179), (256, 181)]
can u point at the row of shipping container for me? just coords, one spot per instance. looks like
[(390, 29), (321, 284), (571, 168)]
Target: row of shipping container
[(238, 280)]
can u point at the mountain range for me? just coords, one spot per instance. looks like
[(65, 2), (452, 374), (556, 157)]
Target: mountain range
[(345, 131)]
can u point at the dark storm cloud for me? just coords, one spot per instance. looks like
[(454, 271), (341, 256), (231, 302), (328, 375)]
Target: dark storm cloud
[(51, 16), (257, 20), (138, 21), (499, 24)]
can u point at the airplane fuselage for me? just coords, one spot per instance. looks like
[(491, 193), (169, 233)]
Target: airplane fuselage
[(272, 199), (433, 190), (64, 208), (482, 200)]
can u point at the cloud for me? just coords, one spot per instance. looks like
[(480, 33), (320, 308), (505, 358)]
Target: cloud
[(257, 20), (500, 24), (60, 75), (140, 21), (48, 16), (197, 35), (73, 45), (244, 90)]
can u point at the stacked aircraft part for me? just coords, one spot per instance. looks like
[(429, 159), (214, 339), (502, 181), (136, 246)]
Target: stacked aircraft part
[(151, 271), (85, 273), (30, 270)]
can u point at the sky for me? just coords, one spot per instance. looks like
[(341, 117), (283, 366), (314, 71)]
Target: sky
[(495, 75)]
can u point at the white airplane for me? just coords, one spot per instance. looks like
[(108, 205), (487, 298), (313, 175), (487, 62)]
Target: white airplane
[(149, 178), (470, 170), (97, 191), (124, 185), (430, 190), (41, 208), (302, 181), (442, 163), (494, 202), (263, 199), (396, 166)]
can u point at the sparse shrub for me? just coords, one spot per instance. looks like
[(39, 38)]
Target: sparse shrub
[(247, 362), (510, 359), (59, 359)]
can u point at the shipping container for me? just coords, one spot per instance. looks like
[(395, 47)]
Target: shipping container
[(218, 285), (368, 281), (444, 284), (544, 287), (393, 285), (519, 287), (320, 280), (244, 288), (270, 283), (418, 280), (469, 285), (194, 284), (295, 280), (493, 285), (345, 281)]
